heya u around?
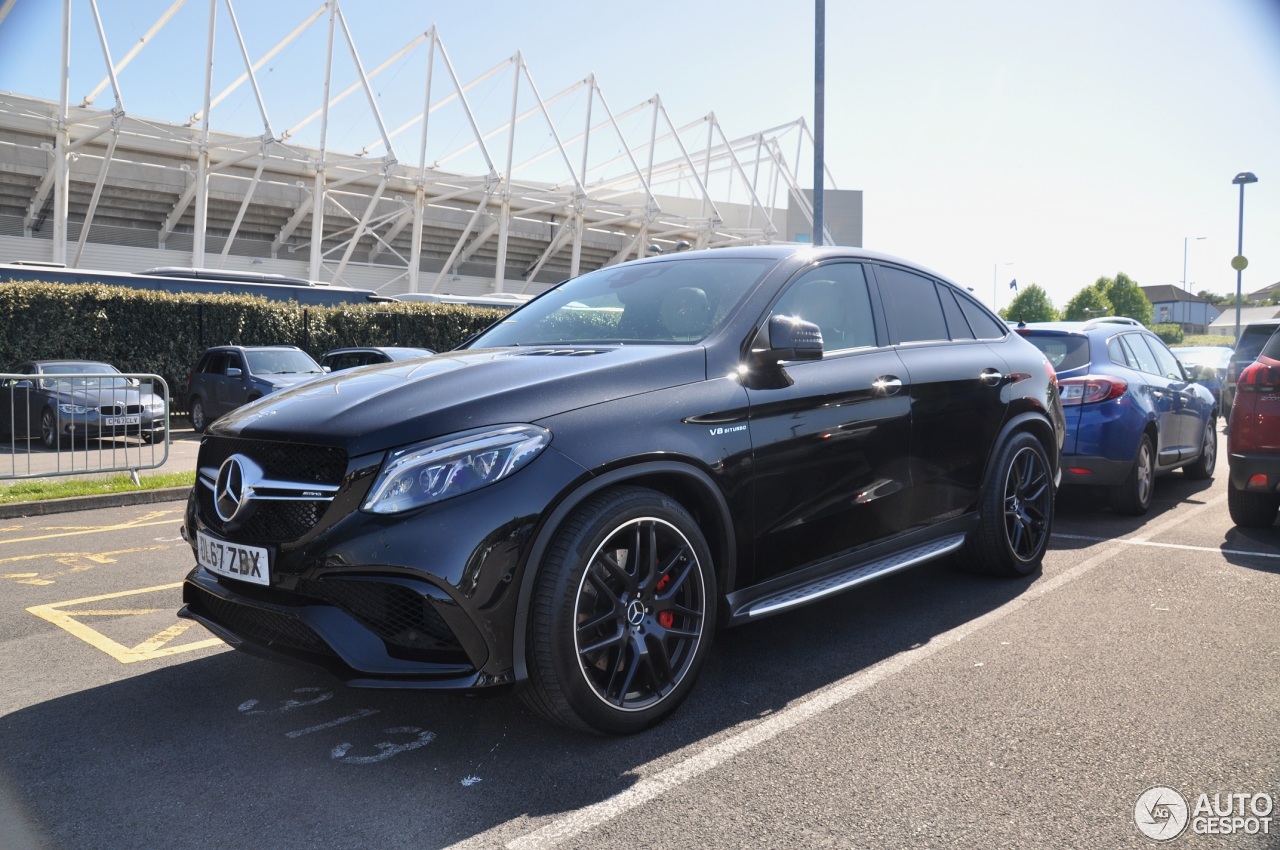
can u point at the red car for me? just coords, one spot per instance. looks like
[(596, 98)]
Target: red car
[(1253, 441)]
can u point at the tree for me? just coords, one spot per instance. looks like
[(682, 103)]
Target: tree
[(1087, 304), (1215, 298), (1127, 298), (1030, 305)]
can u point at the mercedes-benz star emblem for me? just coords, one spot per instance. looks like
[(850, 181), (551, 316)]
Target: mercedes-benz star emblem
[(233, 490)]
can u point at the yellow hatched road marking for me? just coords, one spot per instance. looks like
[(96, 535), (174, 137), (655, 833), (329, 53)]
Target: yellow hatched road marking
[(73, 560), (150, 649), (75, 530)]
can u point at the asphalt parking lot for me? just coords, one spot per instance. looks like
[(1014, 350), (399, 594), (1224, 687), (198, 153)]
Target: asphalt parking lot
[(931, 709)]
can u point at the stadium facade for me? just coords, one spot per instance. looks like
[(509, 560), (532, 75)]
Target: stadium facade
[(513, 206)]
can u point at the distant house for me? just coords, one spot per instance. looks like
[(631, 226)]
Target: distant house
[(1225, 325), (1171, 304), (1264, 294)]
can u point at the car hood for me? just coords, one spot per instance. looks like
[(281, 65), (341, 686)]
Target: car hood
[(374, 408)]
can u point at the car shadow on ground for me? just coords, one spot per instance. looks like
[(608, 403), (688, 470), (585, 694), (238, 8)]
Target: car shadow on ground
[(229, 751)]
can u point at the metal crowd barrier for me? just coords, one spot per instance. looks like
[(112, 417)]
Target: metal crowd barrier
[(83, 422)]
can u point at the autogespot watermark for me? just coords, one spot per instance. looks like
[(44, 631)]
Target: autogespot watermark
[(1162, 813)]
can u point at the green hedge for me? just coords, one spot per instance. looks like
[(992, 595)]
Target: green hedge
[(163, 333), (1170, 332)]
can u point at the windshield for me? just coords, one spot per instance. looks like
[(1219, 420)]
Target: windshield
[(676, 302), (92, 379), (282, 362)]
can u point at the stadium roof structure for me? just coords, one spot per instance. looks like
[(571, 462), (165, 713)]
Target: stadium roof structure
[(516, 201)]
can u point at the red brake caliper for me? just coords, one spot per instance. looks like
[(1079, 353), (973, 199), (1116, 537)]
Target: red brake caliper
[(665, 618)]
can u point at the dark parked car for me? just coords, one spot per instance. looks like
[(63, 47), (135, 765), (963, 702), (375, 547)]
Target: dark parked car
[(349, 358), (1132, 411), (78, 399), (575, 499), (227, 376), (1253, 441), (1253, 336), (1209, 364)]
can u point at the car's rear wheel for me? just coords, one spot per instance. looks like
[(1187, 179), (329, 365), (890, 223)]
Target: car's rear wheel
[(1252, 510), (1204, 465), (49, 435), (623, 614), (196, 414), (1133, 494), (1016, 512)]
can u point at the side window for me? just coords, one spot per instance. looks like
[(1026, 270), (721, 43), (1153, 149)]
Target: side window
[(1140, 354), (985, 326), (912, 304), (957, 324), (1168, 364), (834, 297), (1117, 354)]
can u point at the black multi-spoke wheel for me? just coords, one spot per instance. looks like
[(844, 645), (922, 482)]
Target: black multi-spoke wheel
[(623, 614), (1016, 511)]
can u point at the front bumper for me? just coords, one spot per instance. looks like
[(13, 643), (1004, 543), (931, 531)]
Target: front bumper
[(426, 599)]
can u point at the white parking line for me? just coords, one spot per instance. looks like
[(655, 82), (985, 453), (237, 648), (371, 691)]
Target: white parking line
[(1143, 541), (589, 817)]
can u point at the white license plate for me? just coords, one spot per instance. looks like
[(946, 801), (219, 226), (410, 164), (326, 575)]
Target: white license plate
[(233, 560), (123, 420)]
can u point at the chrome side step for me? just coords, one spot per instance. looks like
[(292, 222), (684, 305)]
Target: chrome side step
[(849, 578)]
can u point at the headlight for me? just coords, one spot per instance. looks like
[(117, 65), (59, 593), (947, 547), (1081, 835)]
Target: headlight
[(73, 409), (156, 405), (441, 469)]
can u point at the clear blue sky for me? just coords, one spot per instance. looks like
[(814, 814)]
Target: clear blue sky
[(994, 139)]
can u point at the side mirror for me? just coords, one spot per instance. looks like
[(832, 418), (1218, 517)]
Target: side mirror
[(23, 385), (233, 372), (786, 338)]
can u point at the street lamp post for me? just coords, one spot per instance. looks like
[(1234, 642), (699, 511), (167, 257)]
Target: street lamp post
[(1186, 286), (1239, 262)]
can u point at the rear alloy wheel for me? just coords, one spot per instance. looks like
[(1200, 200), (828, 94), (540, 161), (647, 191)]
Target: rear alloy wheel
[(1133, 494), (1252, 510), (1016, 512), (1202, 468), (196, 414), (49, 429), (622, 615)]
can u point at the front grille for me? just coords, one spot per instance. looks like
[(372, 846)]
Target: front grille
[(119, 409), (268, 625), (270, 522), (273, 521), (405, 620)]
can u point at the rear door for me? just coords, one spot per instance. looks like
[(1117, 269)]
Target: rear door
[(957, 405), (1160, 394)]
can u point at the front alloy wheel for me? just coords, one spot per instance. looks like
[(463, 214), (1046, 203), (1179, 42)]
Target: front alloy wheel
[(623, 615), (49, 435)]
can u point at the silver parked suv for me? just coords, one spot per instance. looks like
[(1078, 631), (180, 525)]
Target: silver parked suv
[(228, 376)]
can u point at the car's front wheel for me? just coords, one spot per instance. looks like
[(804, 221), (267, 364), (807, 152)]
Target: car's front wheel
[(196, 414), (49, 435), (1252, 510), (1133, 494), (1016, 511), (1203, 467), (623, 614)]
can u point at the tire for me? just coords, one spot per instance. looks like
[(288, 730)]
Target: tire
[(1016, 512), (1133, 494), (623, 614), (1252, 510), (196, 415), (49, 436), (1203, 467)]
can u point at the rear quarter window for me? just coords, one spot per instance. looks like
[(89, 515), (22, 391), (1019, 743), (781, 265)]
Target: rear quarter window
[(1065, 352)]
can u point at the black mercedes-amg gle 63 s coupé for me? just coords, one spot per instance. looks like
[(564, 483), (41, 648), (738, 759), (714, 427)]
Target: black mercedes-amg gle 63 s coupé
[(574, 500)]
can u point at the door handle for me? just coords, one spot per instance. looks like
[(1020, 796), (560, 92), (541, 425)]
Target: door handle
[(991, 377), (887, 385)]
